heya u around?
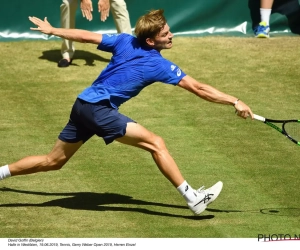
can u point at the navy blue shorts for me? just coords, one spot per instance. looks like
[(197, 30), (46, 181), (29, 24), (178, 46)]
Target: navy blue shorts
[(88, 119)]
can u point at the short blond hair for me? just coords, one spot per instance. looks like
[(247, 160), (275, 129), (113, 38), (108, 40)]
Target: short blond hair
[(149, 25)]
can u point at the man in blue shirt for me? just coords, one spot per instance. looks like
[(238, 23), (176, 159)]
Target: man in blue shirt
[(135, 64)]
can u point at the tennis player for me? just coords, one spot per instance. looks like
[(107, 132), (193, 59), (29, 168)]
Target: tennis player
[(136, 63)]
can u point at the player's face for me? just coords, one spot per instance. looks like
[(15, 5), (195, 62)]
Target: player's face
[(163, 39)]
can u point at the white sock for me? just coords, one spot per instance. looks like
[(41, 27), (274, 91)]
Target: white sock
[(265, 15), (4, 172), (187, 191)]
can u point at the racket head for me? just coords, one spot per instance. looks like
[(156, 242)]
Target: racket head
[(291, 129)]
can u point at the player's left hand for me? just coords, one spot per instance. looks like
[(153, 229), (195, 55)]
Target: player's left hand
[(242, 110)]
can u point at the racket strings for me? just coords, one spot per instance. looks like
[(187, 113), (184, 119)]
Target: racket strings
[(293, 130)]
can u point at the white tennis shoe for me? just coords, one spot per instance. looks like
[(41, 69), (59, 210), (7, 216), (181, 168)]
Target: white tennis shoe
[(205, 197)]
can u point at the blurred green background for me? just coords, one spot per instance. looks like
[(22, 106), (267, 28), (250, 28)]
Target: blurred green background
[(192, 17)]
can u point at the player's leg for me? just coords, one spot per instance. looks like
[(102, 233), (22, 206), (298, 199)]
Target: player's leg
[(197, 200), (59, 155), (70, 140), (138, 136)]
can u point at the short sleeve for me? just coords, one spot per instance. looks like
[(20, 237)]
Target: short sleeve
[(164, 71), (108, 42)]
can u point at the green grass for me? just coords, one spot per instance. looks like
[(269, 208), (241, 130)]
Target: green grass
[(116, 191)]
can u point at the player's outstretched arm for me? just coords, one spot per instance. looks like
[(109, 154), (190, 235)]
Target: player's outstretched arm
[(77, 35), (211, 94)]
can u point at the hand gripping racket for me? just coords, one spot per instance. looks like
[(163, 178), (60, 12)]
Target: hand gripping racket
[(289, 128)]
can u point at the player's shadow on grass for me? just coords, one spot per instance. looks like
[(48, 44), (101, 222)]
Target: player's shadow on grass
[(90, 58), (293, 212), (100, 202)]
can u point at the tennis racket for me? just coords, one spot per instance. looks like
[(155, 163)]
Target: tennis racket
[(289, 128)]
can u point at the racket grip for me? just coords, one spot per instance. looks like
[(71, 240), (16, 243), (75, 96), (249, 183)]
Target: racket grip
[(259, 118)]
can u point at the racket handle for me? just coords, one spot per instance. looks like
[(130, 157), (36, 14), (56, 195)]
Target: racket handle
[(259, 118)]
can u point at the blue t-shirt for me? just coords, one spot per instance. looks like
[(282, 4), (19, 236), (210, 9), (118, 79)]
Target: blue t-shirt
[(132, 67)]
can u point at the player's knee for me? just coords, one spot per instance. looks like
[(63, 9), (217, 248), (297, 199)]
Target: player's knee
[(54, 164), (159, 143)]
